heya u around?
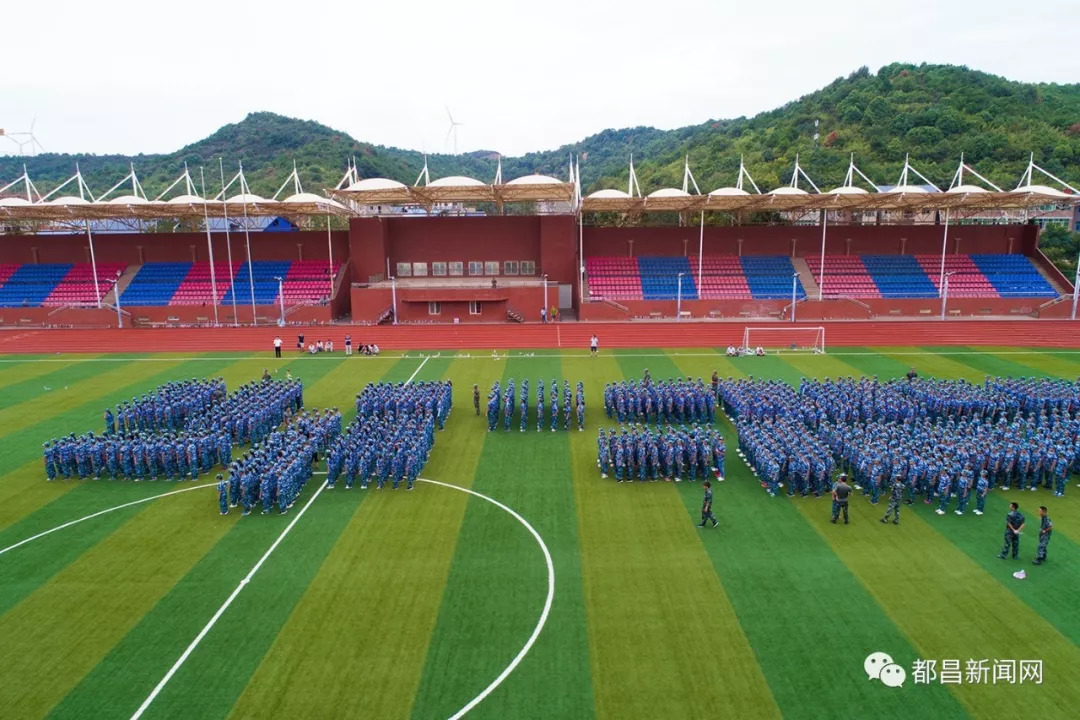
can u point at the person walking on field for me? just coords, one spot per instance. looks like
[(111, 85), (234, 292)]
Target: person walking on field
[(277, 347), (706, 507), (594, 346), (896, 494)]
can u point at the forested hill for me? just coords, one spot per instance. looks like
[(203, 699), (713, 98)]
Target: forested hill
[(933, 112)]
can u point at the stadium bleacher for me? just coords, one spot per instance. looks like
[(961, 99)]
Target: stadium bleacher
[(845, 275), (723, 277), (616, 278), (919, 276), (660, 278), (1012, 276), (161, 284), (770, 277), (55, 284), (899, 276), (155, 284)]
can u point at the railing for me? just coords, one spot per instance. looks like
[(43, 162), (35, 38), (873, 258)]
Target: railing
[(1037, 312), (612, 303), (289, 310), (339, 279), (90, 305)]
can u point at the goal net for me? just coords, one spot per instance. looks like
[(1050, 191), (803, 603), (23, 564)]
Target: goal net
[(785, 339)]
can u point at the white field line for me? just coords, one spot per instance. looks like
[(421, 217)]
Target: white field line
[(221, 610), (543, 615), (229, 601), (523, 355), (102, 512), (417, 370)]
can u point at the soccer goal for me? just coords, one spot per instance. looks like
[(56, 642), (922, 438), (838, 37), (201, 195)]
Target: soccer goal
[(785, 339)]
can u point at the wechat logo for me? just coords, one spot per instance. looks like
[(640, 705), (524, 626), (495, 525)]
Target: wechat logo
[(880, 666)]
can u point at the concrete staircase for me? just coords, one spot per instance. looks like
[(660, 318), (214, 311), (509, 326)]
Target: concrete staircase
[(806, 277)]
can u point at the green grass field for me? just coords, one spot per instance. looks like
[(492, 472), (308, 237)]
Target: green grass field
[(393, 604)]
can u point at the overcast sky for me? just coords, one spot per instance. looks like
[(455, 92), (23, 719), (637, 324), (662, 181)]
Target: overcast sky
[(130, 76)]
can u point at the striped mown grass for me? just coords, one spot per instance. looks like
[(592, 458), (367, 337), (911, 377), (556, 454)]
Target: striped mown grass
[(409, 604)]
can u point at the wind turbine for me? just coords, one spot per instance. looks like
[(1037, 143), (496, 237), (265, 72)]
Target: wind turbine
[(453, 128), (26, 140)]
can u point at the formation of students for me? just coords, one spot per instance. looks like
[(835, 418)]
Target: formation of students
[(677, 401), (392, 435), (178, 431), (276, 470), (639, 453), (136, 456), (573, 405), (935, 439), (166, 408), (402, 400)]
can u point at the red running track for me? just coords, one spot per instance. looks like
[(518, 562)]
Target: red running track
[(1045, 333)]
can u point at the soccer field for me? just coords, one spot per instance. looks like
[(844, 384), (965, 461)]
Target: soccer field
[(383, 604)]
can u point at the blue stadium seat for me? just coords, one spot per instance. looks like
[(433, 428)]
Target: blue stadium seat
[(899, 276), (769, 277), (29, 285), (660, 278), (259, 275), (1013, 276), (155, 284)]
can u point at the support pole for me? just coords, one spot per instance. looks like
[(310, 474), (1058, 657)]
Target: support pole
[(93, 263), (581, 260), (330, 254), (794, 279), (821, 273), (247, 245), (945, 294), (944, 244), (209, 246), (393, 296), (281, 300), (678, 300), (700, 252), (228, 245), (546, 296), (1076, 287), (116, 292)]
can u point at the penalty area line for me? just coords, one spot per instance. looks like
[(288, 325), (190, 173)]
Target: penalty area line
[(543, 615), (221, 610), (100, 513)]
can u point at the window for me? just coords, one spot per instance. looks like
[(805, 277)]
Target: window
[(434, 308), (438, 269), (491, 268), (510, 267), (476, 268), (474, 307), (457, 269), (528, 267), (419, 269), (404, 269)]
